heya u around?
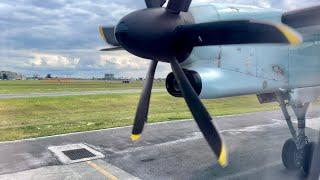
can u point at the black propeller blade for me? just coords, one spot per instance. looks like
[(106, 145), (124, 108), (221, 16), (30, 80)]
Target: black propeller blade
[(117, 48), (200, 114), (155, 3), (107, 34), (143, 106), (235, 32), (302, 17), (175, 6)]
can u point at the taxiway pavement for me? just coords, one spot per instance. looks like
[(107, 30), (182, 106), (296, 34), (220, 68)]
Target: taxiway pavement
[(171, 150)]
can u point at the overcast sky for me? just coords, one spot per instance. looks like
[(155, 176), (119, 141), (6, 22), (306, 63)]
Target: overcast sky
[(61, 37)]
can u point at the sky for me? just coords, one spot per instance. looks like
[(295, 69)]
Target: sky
[(61, 37)]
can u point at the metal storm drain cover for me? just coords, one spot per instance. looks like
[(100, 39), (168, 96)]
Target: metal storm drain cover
[(73, 153), (78, 154)]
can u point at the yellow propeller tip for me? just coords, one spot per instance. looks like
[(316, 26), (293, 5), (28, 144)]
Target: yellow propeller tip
[(223, 158), (293, 37), (101, 32), (135, 137)]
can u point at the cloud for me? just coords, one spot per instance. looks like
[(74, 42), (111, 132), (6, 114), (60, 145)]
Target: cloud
[(61, 36), (78, 63), (280, 4), (62, 24), (51, 61)]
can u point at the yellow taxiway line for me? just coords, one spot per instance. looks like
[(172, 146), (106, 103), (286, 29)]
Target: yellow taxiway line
[(101, 170)]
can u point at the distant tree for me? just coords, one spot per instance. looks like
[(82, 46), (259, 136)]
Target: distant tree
[(48, 76), (5, 77)]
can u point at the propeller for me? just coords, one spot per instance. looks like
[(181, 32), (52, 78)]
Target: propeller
[(155, 3), (117, 48), (169, 35), (143, 106), (200, 114), (235, 32), (175, 6), (107, 34)]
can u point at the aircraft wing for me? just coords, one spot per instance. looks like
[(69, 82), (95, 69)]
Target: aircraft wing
[(306, 21)]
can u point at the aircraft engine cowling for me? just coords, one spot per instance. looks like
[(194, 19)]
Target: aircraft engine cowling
[(173, 87)]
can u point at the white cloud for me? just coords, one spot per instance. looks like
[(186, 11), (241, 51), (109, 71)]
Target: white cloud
[(62, 36), (51, 61), (123, 62), (78, 63), (281, 4)]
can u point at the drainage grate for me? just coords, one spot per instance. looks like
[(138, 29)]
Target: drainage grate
[(78, 154), (73, 153)]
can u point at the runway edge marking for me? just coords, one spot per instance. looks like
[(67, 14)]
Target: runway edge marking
[(110, 171), (101, 170)]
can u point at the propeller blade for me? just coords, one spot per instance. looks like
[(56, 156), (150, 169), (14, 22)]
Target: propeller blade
[(107, 34), (236, 32), (143, 106), (112, 49), (302, 17), (155, 3), (175, 6), (200, 114)]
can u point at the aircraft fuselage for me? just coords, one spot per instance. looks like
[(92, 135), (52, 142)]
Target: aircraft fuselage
[(253, 69)]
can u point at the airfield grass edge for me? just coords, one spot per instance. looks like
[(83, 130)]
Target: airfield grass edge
[(44, 116)]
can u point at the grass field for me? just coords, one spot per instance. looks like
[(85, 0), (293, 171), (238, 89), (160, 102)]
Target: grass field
[(34, 86), (34, 117)]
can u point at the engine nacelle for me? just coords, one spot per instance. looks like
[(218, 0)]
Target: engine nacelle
[(173, 87)]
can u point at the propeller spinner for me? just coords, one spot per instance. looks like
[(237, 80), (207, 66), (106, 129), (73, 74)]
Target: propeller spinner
[(169, 35)]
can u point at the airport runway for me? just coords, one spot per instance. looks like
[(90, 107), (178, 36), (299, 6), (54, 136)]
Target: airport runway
[(80, 93), (174, 150)]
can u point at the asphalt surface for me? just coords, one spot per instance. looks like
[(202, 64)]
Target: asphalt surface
[(174, 150), (80, 93)]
